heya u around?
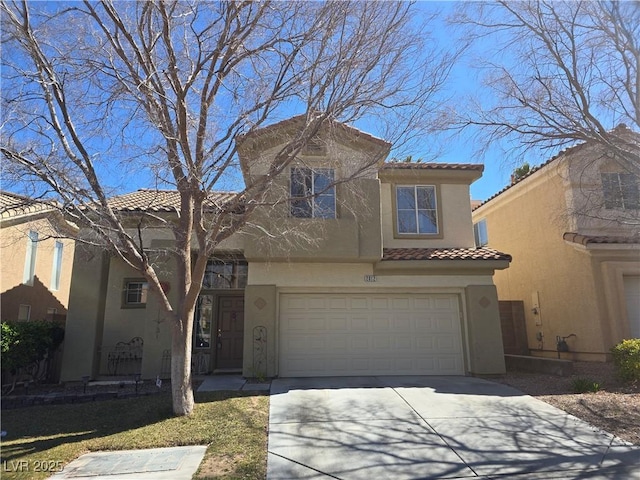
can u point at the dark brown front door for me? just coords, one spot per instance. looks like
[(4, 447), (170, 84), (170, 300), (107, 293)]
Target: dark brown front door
[(230, 330)]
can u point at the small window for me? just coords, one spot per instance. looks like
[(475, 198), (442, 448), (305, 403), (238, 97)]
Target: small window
[(57, 266), (480, 233), (135, 293), (313, 193), (30, 260), (620, 190), (24, 313), (416, 210)]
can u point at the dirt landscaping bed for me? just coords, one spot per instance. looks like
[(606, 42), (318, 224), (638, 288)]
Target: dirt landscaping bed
[(615, 407)]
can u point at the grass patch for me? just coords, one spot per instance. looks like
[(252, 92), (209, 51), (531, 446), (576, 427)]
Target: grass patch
[(233, 424)]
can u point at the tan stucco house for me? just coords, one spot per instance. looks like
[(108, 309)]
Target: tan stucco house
[(377, 275), (572, 227), (35, 259)]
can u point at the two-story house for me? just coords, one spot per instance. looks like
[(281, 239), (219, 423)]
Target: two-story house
[(572, 226), (36, 259), (365, 268)]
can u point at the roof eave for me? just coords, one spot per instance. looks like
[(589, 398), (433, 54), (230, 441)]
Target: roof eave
[(477, 266)]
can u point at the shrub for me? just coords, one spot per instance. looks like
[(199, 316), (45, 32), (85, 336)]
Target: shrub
[(626, 358), (584, 385), (25, 343)]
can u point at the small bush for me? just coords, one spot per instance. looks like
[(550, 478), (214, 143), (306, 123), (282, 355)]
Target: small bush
[(584, 385), (24, 343), (626, 359)]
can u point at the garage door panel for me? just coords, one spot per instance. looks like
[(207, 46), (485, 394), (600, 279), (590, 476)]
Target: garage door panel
[(362, 334)]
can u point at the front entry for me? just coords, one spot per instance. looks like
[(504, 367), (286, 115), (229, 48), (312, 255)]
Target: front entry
[(229, 333)]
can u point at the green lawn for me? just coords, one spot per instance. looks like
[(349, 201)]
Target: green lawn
[(233, 424)]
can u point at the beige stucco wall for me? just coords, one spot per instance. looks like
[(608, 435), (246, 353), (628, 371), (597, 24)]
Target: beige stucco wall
[(85, 318), (566, 284), (13, 253), (484, 336)]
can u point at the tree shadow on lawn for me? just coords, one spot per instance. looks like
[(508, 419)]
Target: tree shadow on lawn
[(62, 432)]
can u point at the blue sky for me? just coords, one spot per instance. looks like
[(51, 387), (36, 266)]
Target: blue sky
[(461, 148)]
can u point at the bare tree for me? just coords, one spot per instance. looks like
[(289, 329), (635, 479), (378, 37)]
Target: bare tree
[(562, 72), (163, 90)]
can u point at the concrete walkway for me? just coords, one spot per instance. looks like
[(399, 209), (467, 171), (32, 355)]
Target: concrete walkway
[(431, 427), (175, 463)]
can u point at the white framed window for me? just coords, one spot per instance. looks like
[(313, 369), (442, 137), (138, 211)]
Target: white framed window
[(57, 265), (480, 233), (30, 259), (313, 193), (620, 190), (134, 293), (416, 210), (24, 313)]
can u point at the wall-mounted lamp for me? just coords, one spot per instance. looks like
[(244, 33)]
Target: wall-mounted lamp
[(535, 311)]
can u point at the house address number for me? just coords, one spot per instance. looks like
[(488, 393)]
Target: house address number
[(370, 278)]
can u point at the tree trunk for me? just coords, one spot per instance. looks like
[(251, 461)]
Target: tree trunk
[(181, 388)]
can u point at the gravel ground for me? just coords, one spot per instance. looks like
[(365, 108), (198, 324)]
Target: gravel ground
[(615, 408)]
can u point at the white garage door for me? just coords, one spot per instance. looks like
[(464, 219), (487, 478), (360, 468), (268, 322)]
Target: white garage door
[(632, 297), (361, 334)]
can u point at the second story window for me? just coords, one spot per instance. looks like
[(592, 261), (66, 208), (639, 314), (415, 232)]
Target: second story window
[(480, 233), (620, 190), (313, 193), (416, 211), (30, 260)]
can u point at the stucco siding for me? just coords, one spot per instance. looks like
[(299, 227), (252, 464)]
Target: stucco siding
[(569, 288), (41, 295), (455, 219)]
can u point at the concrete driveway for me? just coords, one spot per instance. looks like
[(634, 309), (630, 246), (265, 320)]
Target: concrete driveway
[(431, 427)]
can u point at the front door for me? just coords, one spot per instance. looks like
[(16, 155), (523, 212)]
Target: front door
[(229, 333)]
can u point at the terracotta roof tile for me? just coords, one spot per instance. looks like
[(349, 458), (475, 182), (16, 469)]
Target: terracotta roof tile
[(432, 166), (599, 239), (161, 200), (481, 253), (13, 205)]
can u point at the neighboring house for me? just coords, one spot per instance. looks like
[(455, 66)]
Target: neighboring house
[(375, 276), (36, 261), (572, 227)]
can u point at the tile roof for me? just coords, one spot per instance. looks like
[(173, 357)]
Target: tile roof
[(599, 239), (432, 166), (161, 200), (13, 205), (480, 253)]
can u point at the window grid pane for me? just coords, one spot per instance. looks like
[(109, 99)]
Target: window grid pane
[(416, 210), (313, 193), (620, 190), (136, 293)]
